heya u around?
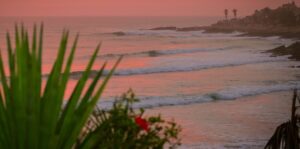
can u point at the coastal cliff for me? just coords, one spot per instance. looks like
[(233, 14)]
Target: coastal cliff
[(283, 21)]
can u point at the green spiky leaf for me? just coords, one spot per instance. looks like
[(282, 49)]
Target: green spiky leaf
[(33, 117)]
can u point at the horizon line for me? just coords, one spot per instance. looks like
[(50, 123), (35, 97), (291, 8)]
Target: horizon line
[(116, 16)]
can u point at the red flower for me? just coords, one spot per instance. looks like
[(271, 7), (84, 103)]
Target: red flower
[(142, 123)]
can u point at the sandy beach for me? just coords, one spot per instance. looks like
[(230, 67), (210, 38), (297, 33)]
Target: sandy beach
[(243, 123)]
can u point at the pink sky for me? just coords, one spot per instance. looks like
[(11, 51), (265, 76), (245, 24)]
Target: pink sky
[(132, 7)]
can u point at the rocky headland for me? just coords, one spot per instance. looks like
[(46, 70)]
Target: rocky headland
[(283, 21)]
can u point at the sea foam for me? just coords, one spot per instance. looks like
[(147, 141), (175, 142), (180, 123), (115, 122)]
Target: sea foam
[(230, 93)]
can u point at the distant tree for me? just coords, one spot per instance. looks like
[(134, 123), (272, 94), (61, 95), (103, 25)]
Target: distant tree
[(293, 3), (234, 11), (265, 16), (226, 13), (287, 17)]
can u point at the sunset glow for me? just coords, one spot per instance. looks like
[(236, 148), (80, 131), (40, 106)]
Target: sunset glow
[(134, 74), (131, 7)]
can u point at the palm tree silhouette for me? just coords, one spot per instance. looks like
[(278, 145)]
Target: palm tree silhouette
[(226, 13), (234, 13)]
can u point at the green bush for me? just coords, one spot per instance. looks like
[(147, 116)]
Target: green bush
[(124, 127)]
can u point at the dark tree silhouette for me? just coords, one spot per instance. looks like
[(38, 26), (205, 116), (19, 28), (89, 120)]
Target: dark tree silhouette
[(226, 13), (234, 11)]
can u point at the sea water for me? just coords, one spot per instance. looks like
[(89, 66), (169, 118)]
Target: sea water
[(167, 67)]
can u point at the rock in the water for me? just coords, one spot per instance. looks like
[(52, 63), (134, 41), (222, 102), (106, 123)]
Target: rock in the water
[(292, 50), (165, 28)]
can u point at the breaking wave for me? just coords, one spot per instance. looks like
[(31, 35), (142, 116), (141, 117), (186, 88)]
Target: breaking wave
[(185, 67), (226, 94), (154, 53)]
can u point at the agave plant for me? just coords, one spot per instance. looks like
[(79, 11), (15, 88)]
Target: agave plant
[(35, 117)]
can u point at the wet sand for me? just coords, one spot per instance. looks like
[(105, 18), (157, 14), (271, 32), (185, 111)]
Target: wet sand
[(243, 123)]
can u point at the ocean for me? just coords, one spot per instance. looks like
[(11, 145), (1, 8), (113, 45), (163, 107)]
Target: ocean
[(168, 67)]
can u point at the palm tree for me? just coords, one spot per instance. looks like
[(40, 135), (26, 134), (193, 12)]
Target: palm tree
[(234, 13), (226, 13)]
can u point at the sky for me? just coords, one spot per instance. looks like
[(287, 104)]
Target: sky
[(132, 7)]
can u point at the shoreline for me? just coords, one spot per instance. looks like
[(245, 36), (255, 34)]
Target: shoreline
[(291, 50), (261, 31), (283, 21), (245, 122)]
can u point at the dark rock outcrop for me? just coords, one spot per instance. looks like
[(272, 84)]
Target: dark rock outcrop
[(119, 33), (292, 50), (172, 28)]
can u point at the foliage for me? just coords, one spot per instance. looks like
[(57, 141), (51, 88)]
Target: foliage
[(31, 116), (286, 135), (122, 126), (285, 15)]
